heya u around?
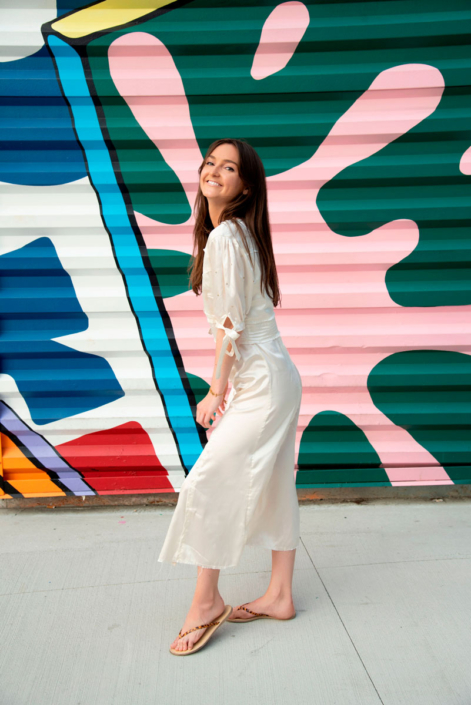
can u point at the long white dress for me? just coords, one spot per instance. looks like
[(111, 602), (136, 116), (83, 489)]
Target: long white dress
[(242, 489)]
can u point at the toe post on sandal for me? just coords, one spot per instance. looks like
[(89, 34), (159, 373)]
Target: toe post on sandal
[(256, 615), (210, 629)]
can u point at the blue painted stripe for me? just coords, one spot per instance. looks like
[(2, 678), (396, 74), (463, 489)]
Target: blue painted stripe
[(127, 251)]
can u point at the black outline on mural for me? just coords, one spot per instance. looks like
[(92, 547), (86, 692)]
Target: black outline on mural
[(53, 476), (47, 30), (80, 46)]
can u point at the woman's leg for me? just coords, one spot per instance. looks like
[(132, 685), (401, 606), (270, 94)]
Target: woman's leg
[(278, 598), (206, 606)]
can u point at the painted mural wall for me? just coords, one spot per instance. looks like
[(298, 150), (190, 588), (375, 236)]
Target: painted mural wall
[(361, 112)]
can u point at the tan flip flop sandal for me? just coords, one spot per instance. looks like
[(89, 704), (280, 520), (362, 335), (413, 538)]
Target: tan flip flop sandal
[(212, 626), (258, 615)]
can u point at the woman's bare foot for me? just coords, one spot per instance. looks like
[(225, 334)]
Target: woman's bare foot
[(198, 614), (279, 607)]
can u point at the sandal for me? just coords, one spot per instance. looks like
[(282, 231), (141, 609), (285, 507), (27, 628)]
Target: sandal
[(208, 633), (258, 615)]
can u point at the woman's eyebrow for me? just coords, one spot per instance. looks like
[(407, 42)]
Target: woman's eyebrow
[(224, 160)]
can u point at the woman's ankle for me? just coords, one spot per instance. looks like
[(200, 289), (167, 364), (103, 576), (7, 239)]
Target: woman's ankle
[(281, 596), (206, 603)]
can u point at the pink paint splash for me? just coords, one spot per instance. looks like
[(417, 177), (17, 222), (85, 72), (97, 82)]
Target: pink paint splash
[(465, 163), (338, 320), (281, 34)]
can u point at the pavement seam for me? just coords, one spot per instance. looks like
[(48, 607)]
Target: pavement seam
[(343, 624)]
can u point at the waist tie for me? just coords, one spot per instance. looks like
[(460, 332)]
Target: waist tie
[(254, 332), (259, 331)]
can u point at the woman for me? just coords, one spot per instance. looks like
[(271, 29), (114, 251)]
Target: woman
[(241, 490)]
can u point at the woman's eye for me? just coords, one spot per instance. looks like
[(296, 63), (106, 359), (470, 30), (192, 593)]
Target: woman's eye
[(229, 167)]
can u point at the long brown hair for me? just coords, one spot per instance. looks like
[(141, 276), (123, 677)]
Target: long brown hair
[(251, 208)]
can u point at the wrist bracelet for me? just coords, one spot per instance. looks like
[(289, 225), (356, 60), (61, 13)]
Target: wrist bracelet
[(216, 395)]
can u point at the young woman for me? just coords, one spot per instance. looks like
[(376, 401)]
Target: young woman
[(241, 490)]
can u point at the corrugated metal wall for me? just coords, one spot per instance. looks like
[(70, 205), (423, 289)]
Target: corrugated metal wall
[(361, 113)]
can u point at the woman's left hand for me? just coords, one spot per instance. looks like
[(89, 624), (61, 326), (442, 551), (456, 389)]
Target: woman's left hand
[(210, 407)]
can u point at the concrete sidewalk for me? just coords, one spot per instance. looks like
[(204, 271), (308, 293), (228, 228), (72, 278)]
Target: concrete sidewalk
[(382, 592)]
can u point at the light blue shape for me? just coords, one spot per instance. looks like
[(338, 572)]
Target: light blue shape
[(126, 247)]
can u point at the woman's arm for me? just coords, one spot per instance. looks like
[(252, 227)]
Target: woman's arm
[(227, 287), (209, 407)]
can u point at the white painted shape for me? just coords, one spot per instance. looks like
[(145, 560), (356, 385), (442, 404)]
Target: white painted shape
[(20, 27), (100, 290)]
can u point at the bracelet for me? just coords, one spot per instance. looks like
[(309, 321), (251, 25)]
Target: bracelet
[(216, 395)]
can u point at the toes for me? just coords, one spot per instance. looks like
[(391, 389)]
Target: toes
[(183, 644), (186, 643)]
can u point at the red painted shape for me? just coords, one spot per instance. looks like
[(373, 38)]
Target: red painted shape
[(118, 459)]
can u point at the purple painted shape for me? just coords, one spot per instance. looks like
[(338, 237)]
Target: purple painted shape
[(45, 453)]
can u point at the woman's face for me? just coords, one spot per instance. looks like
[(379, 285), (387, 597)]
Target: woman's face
[(219, 180)]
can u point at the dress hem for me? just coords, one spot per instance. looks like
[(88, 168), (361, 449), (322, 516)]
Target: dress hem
[(223, 567)]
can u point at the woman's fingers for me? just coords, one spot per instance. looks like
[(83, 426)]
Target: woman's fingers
[(203, 418)]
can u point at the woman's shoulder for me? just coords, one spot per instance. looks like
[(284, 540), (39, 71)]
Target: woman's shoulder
[(227, 228), (227, 235)]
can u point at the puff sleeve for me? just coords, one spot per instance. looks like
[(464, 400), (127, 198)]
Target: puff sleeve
[(227, 287)]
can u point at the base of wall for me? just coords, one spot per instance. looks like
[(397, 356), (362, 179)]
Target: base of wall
[(359, 495)]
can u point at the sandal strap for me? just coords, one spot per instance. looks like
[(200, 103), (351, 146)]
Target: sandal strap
[(211, 624), (257, 614)]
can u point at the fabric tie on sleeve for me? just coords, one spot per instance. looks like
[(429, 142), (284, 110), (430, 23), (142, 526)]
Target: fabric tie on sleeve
[(230, 336)]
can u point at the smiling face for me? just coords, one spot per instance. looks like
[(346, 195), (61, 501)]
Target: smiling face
[(219, 180)]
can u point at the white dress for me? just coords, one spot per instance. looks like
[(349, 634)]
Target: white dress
[(242, 489)]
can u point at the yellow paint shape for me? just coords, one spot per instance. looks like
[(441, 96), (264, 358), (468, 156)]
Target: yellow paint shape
[(105, 15), (23, 475)]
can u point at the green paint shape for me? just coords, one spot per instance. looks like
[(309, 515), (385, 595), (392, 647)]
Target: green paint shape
[(428, 393), (287, 115), (171, 268), (334, 452)]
